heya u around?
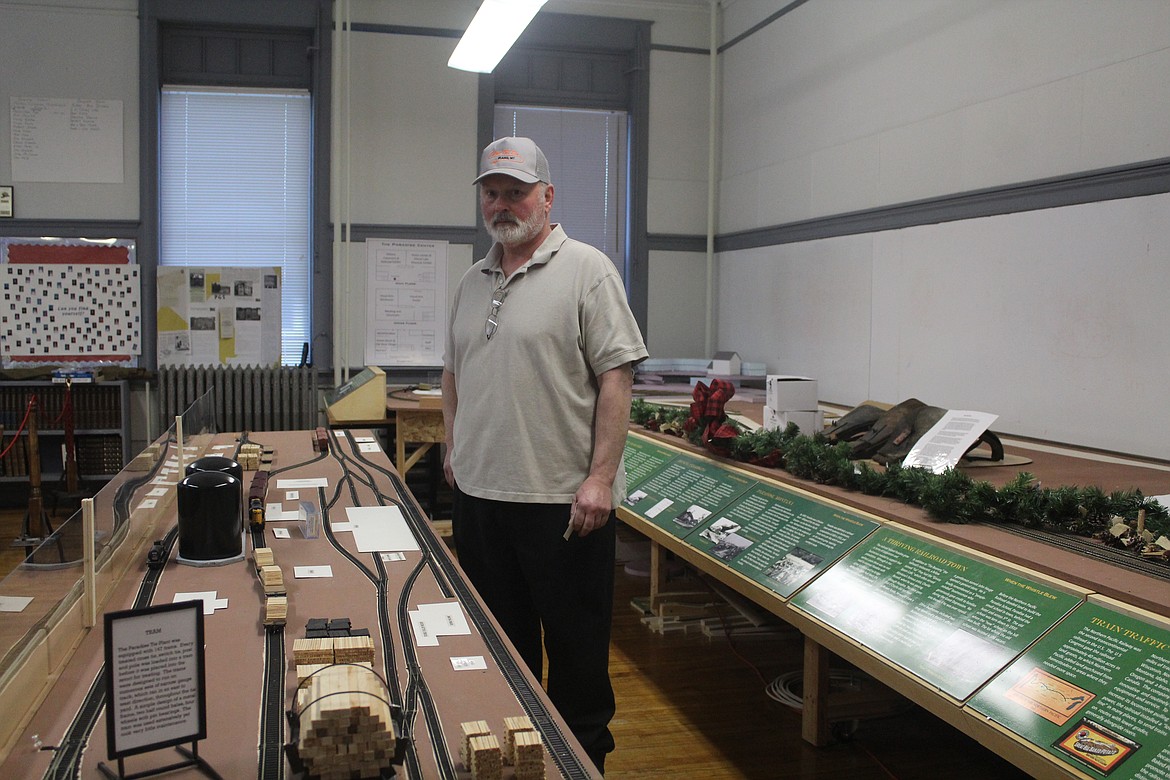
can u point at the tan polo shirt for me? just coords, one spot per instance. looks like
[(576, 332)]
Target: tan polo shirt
[(526, 397)]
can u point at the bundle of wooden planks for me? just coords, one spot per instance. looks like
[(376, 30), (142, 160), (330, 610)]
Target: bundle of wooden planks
[(275, 610), (345, 725), (480, 751), (528, 755)]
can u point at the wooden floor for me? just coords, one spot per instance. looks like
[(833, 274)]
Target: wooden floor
[(693, 707), (689, 706)]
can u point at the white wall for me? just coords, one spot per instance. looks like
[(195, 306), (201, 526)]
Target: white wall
[(86, 49), (413, 147), (677, 202), (841, 105), (1047, 318)]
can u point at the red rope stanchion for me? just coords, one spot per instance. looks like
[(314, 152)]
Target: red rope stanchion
[(32, 402)]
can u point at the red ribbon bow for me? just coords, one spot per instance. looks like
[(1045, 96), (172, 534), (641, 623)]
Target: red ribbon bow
[(707, 413)]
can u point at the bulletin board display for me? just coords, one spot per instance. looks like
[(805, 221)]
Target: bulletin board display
[(69, 301), (217, 315)]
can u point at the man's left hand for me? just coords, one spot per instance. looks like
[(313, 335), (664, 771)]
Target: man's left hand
[(591, 506)]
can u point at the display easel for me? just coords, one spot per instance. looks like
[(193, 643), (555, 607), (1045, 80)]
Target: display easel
[(130, 697), (192, 760)]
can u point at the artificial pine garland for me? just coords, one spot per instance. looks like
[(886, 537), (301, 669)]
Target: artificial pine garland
[(952, 496)]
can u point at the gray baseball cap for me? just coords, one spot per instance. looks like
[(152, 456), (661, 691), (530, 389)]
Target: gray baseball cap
[(519, 158)]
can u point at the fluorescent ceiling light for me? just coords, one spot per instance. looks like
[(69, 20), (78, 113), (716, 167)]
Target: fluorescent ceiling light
[(496, 26)]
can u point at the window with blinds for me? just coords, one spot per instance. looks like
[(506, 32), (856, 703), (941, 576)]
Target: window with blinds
[(234, 190), (586, 151)]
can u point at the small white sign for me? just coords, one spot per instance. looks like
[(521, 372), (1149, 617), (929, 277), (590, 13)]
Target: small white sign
[(14, 603), (307, 482), (463, 663), (310, 572), (210, 600)]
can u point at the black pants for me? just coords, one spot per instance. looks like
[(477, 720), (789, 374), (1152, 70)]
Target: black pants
[(531, 579)]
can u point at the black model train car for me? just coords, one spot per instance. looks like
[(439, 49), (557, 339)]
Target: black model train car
[(256, 494)]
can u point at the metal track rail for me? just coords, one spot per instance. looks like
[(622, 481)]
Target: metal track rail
[(410, 756), (66, 763), (560, 752), (1095, 551), (270, 764), (271, 748)]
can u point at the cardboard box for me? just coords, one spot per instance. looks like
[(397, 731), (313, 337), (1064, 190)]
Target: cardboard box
[(808, 422), (790, 393)]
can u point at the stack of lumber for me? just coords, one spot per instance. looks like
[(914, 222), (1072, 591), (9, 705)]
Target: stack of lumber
[(275, 610), (345, 726), (263, 557), (249, 457), (353, 649), (512, 726), (470, 730), (528, 756), (486, 763), (480, 751), (145, 460), (313, 651), (272, 579)]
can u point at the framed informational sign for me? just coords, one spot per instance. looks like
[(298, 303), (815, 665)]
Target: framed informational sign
[(155, 687)]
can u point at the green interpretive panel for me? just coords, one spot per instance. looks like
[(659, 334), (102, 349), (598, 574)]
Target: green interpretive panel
[(1094, 692), (642, 458), (953, 620), (780, 538), (684, 493)]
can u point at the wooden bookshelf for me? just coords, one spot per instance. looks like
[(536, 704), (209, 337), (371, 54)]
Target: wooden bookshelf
[(101, 420)]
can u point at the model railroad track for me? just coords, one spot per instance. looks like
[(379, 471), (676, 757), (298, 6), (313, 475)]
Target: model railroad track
[(417, 694), (271, 748), (534, 706), (270, 764), (378, 578), (66, 763), (1093, 550), (125, 493)]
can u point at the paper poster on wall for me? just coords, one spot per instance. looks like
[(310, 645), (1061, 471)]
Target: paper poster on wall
[(211, 315), (406, 303), (66, 140), (69, 301)]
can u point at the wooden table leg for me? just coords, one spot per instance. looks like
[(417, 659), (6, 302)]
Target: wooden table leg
[(657, 573), (815, 715), (399, 447)]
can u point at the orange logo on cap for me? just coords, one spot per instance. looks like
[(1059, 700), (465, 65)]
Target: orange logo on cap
[(505, 155)]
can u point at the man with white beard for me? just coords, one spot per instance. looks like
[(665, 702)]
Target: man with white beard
[(537, 379)]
